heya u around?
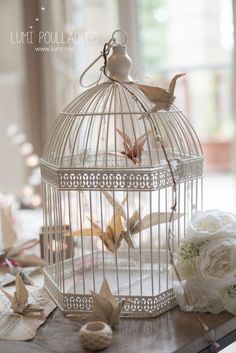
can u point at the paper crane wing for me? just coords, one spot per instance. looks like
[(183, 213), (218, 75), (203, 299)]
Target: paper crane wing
[(128, 238), (108, 238), (7, 279), (134, 221), (124, 201), (17, 250), (112, 237), (21, 293), (138, 145), (8, 295), (26, 278), (117, 154), (105, 307), (8, 233), (154, 94), (114, 203), (24, 275), (126, 138), (154, 219), (94, 229), (105, 292), (29, 260), (102, 308), (117, 225)]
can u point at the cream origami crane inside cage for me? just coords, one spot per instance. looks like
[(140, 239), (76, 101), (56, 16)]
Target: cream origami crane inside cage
[(111, 169)]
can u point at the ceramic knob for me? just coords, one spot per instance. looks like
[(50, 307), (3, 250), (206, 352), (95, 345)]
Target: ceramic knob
[(119, 64), (95, 335)]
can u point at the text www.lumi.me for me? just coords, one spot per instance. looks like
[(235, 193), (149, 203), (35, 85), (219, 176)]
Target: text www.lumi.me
[(54, 49)]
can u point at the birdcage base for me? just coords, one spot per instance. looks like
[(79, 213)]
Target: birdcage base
[(145, 289)]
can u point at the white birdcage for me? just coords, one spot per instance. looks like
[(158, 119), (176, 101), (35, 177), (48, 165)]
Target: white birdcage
[(118, 180)]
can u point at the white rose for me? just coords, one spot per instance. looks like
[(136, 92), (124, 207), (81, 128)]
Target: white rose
[(212, 224), (217, 262), (200, 295), (186, 270)]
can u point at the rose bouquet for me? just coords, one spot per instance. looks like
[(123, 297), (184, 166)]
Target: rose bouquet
[(206, 264)]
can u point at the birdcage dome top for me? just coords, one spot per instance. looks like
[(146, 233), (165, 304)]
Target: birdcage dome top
[(120, 124), (99, 127)]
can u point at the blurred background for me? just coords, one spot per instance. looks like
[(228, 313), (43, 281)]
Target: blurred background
[(45, 45)]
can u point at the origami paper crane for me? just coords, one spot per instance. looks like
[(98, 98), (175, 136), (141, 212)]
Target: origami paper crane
[(24, 273), (105, 306), (19, 302), (161, 98), (133, 150), (119, 228), (15, 253)]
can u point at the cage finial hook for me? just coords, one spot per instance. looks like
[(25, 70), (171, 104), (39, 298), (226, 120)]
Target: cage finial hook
[(122, 33)]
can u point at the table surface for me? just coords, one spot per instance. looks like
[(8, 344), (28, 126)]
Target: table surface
[(174, 331)]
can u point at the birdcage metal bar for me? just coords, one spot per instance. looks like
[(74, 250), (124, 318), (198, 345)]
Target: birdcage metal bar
[(176, 132), (81, 238), (98, 140), (128, 227), (185, 136), (71, 244), (102, 228), (191, 131), (89, 126), (178, 210), (139, 113)]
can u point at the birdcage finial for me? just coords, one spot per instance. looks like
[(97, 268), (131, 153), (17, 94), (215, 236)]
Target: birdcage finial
[(119, 64)]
